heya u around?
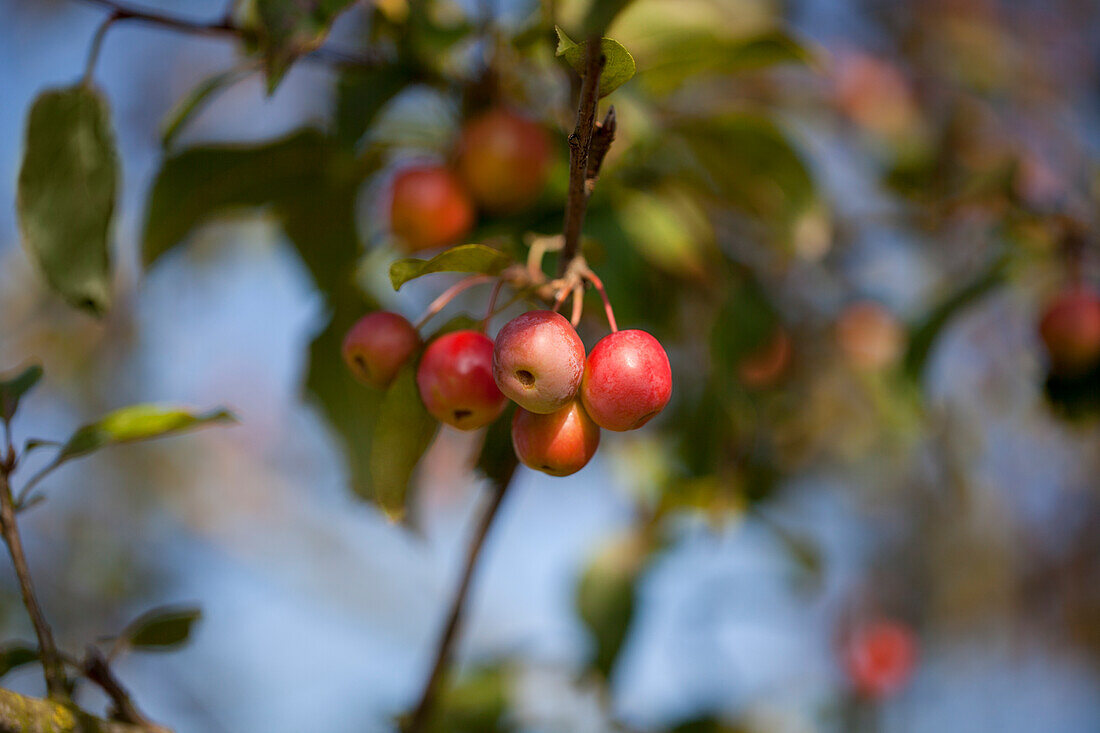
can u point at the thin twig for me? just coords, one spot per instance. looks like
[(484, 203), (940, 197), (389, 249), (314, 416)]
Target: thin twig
[(52, 666), (419, 718), (96, 46), (96, 669), (492, 305), (580, 143)]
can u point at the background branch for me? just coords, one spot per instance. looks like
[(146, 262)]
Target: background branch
[(96, 669), (421, 714)]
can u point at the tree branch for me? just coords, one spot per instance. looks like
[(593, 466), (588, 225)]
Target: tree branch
[(419, 718), (22, 714), (580, 145), (52, 666), (96, 669)]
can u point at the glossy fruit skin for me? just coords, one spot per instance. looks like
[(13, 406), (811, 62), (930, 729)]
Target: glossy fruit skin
[(1070, 330), (538, 361), (627, 380), (879, 657), (504, 159), (559, 443), (378, 345), (455, 378), (429, 208)]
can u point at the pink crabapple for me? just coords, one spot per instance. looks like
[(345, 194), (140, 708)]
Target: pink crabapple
[(378, 345), (538, 361)]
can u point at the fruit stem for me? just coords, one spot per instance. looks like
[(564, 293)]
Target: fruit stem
[(578, 304), (598, 284), (448, 295), (492, 305)]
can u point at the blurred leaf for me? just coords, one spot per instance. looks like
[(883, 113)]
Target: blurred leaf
[(402, 434), (477, 702), (694, 55), (196, 100), (361, 94), (474, 258), (350, 407), (606, 596), (618, 65), (16, 654), (497, 459), (161, 628), (672, 233), (747, 160), (14, 388), (923, 336), (289, 29), (136, 423), (600, 15), (66, 199)]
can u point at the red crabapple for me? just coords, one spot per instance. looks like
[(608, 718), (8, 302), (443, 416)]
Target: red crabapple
[(558, 443), (429, 208), (627, 380), (870, 336), (503, 158), (378, 345), (1070, 329), (539, 361), (455, 378), (879, 657)]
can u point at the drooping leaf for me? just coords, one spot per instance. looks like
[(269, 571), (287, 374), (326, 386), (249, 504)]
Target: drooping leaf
[(161, 628), (14, 388), (15, 654), (67, 189), (197, 99), (401, 435), (288, 29), (474, 258), (349, 407), (606, 596), (618, 65), (136, 423)]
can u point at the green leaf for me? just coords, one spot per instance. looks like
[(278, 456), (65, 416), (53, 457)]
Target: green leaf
[(15, 654), (196, 100), (694, 55), (289, 29), (349, 407), (618, 63), (476, 702), (402, 434), (136, 423), (606, 596), (67, 187), (14, 388), (362, 93), (161, 628), (476, 258)]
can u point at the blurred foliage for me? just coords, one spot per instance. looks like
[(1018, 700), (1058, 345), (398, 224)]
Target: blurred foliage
[(160, 629)]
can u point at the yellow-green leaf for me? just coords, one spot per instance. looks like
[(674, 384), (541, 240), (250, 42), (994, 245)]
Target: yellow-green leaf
[(618, 65), (475, 258), (401, 435), (136, 423)]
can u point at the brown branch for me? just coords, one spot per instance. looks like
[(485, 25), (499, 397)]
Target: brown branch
[(580, 144), (96, 669), (22, 714), (602, 138), (421, 715), (52, 666)]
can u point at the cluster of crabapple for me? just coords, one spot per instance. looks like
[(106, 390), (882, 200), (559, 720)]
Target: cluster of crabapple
[(500, 164), (538, 361), (1070, 331)]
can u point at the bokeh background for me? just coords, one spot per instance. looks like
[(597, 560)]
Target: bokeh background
[(910, 464)]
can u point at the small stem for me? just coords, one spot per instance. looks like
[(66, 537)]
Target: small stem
[(96, 669), (34, 481), (52, 667), (580, 144), (578, 304), (448, 295), (96, 46), (420, 717), (598, 284), (492, 305), (560, 300)]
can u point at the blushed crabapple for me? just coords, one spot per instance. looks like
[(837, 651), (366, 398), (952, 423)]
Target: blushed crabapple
[(558, 443), (378, 345), (627, 380), (429, 208), (455, 378), (503, 158), (538, 361), (1070, 330)]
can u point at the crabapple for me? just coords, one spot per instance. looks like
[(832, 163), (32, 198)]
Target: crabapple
[(765, 366), (627, 380), (538, 361), (429, 208), (879, 657), (1070, 329), (455, 378), (503, 158), (870, 336), (378, 345), (558, 443)]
